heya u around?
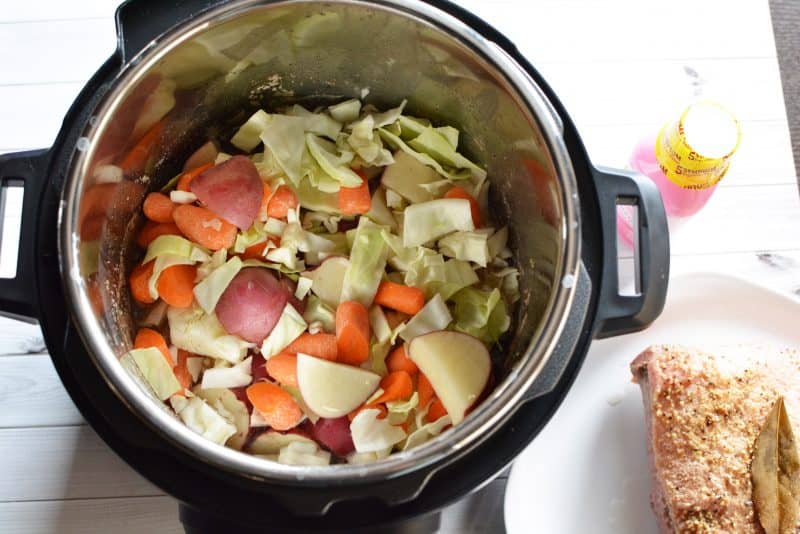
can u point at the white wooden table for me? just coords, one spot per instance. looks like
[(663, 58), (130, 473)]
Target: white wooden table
[(621, 67)]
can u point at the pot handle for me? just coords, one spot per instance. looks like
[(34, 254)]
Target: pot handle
[(141, 21), (622, 314), (26, 170)]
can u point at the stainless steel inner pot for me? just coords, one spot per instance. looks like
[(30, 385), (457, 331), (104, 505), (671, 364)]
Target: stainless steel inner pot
[(249, 54)]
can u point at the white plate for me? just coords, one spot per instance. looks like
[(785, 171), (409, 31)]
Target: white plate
[(588, 471)]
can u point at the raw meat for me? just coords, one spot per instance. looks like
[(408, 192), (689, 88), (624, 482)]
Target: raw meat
[(704, 411)]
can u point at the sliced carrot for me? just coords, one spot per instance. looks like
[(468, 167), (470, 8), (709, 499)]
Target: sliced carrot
[(181, 370), (139, 279), (148, 338), (281, 202), (136, 158), (158, 207), (204, 227), (352, 333), (262, 211), (186, 178), (425, 390), (256, 252), (275, 404), (406, 299), (460, 192), (355, 200), (398, 360), (380, 407), (283, 368), (436, 411), (176, 285), (152, 230), (397, 386), (320, 345)]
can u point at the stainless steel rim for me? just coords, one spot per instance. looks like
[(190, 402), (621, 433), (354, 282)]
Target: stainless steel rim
[(492, 413)]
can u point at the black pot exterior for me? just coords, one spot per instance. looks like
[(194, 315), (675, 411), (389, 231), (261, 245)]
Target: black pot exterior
[(211, 493)]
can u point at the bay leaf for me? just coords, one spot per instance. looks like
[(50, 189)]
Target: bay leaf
[(775, 472)]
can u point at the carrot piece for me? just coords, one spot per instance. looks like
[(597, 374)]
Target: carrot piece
[(397, 386), (138, 281), (158, 207), (460, 192), (320, 345), (380, 407), (425, 390), (181, 370), (262, 211), (136, 158), (275, 404), (148, 338), (406, 299), (352, 333), (176, 285), (256, 252), (281, 202), (398, 360), (436, 411), (204, 227), (152, 230), (283, 368), (186, 178), (354, 200)]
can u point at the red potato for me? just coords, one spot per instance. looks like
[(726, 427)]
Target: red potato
[(334, 434), (252, 304), (258, 367), (232, 190)]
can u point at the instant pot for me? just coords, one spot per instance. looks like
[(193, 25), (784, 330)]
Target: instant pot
[(186, 71)]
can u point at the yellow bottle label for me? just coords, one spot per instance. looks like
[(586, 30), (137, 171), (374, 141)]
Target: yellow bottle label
[(690, 166)]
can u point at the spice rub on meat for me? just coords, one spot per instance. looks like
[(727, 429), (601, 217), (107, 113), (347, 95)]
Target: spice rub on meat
[(704, 411)]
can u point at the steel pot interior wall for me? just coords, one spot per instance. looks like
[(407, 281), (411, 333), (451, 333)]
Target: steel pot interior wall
[(204, 81)]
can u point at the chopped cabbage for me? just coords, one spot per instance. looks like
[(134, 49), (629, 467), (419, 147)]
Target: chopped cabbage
[(195, 331), (371, 434), (228, 377), (168, 251), (206, 421), (481, 314), (254, 235), (346, 111), (433, 316), (248, 136), (367, 263), (394, 201), (318, 311), (303, 453), (182, 197), (497, 242), (367, 144), (210, 289), (317, 123), (335, 166), (156, 371), (379, 325), (284, 136), (379, 213), (398, 411), (457, 275), (431, 220), (436, 145), (303, 287), (406, 177), (422, 157), (467, 246), (194, 366), (289, 327), (426, 432)]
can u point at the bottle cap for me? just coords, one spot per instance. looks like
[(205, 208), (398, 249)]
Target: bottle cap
[(695, 151)]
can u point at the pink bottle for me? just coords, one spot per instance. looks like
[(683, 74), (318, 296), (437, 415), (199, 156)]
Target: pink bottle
[(686, 160)]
